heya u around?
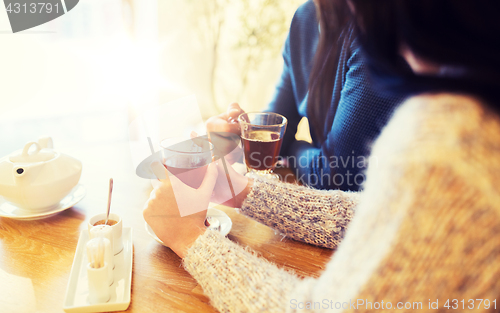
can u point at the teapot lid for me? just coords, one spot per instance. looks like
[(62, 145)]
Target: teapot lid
[(39, 155)]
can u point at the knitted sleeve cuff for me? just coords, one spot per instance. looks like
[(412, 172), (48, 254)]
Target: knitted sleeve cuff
[(313, 216), (234, 278)]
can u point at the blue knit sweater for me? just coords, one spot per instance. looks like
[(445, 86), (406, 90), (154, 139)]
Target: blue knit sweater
[(340, 161)]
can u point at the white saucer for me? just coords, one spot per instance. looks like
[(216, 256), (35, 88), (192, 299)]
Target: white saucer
[(11, 211), (225, 224)]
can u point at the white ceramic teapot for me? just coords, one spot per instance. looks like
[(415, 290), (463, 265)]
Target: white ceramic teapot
[(38, 180)]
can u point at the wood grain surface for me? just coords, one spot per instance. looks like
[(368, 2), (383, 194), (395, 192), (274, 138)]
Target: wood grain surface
[(43, 250)]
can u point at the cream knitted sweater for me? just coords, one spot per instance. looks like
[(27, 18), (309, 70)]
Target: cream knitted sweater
[(426, 226)]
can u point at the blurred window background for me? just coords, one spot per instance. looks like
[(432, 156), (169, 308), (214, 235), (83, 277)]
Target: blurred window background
[(86, 75)]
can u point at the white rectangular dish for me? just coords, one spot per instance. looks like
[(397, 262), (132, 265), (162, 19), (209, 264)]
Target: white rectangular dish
[(76, 299)]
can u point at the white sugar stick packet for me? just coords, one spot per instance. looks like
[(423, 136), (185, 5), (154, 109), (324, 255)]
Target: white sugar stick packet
[(99, 251), (98, 270), (107, 232)]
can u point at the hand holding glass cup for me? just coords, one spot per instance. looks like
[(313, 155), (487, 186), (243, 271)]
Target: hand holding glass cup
[(262, 135), (187, 159)]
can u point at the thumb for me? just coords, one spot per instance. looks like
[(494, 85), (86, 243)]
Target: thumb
[(234, 110), (210, 178), (159, 170)]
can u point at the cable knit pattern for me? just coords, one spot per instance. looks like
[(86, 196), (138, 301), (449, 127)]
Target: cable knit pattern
[(312, 216), (426, 228)]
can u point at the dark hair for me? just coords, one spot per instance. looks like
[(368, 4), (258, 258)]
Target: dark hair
[(333, 16), (461, 35)]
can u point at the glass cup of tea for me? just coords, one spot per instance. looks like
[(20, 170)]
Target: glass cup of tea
[(187, 159), (261, 135)]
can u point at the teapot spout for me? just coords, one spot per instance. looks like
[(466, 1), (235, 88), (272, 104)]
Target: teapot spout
[(25, 174), (19, 171)]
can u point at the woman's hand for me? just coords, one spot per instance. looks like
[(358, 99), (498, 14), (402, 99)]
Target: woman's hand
[(226, 122), (167, 201), (221, 126)]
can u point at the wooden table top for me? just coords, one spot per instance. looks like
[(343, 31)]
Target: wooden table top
[(43, 250)]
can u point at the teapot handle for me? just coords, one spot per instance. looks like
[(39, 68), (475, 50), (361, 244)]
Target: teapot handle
[(28, 146)]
